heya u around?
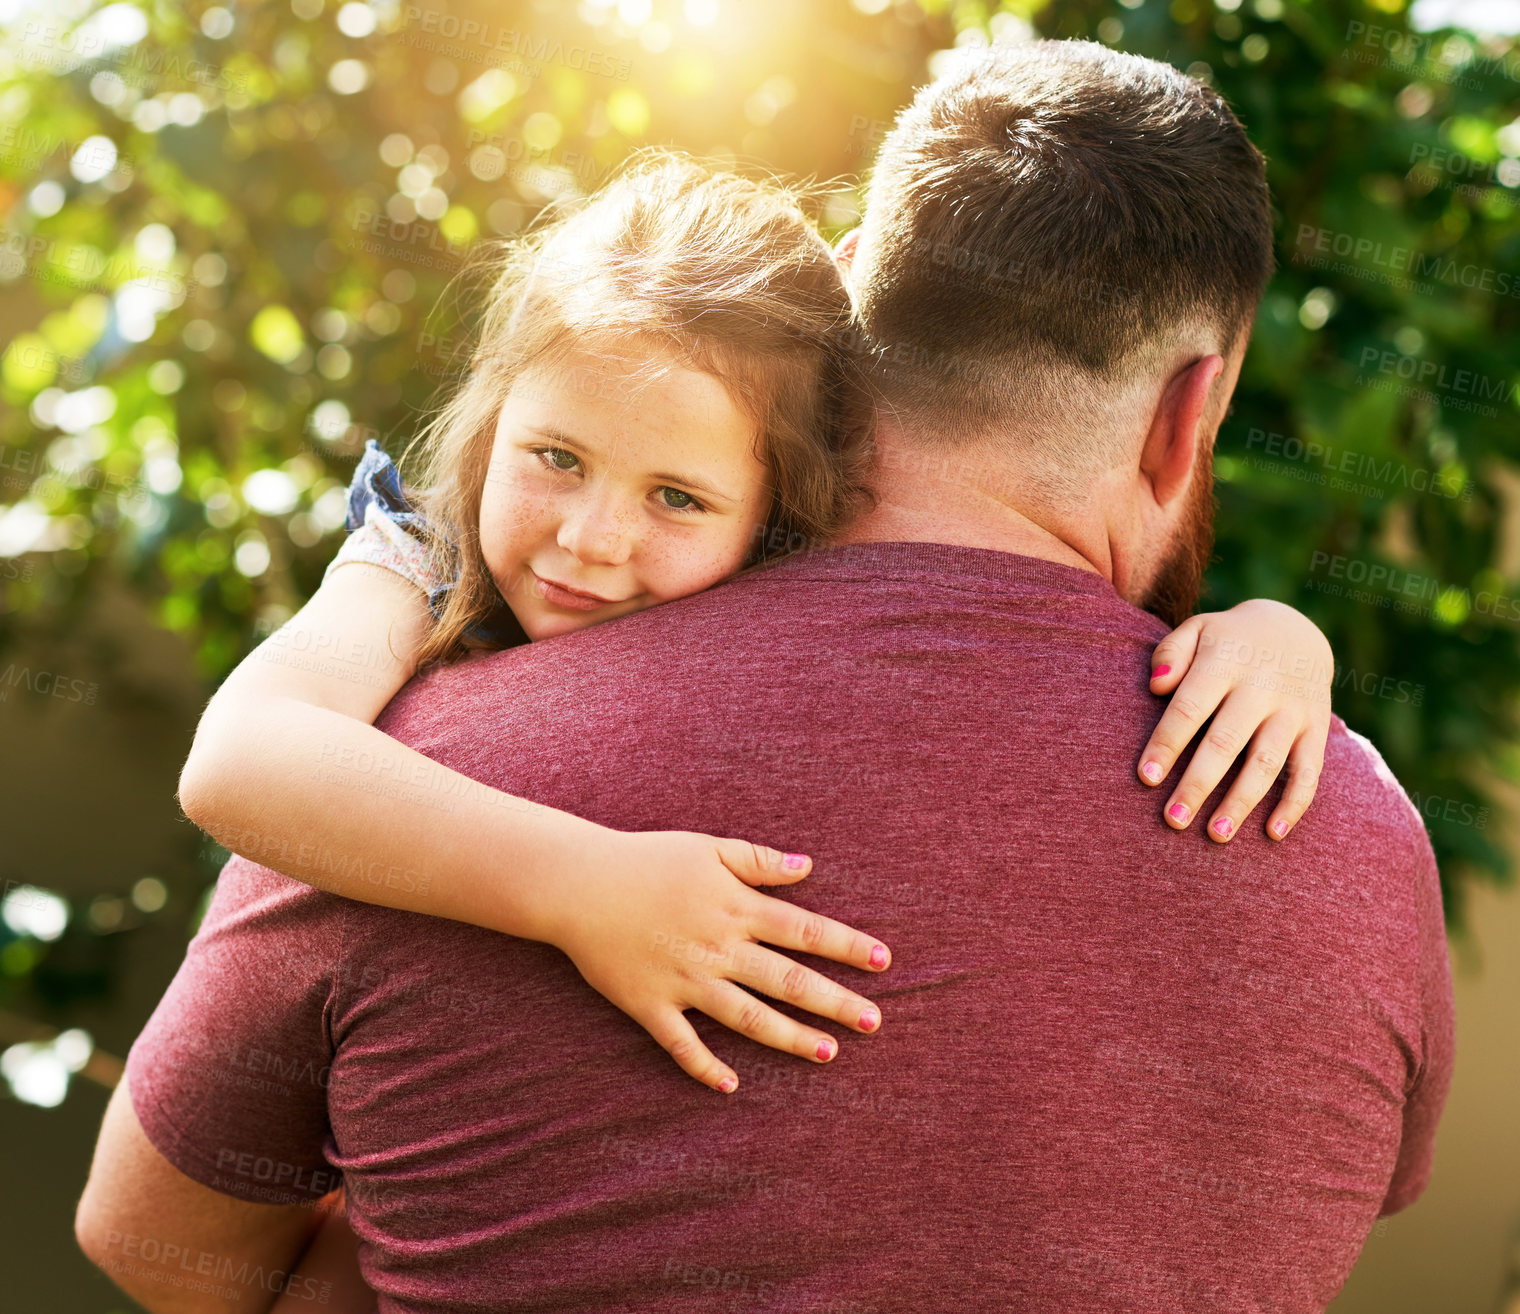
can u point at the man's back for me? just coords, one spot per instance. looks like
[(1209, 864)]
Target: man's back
[(1120, 1067)]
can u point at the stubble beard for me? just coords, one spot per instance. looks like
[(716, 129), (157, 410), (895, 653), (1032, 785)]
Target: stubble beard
[(1173, 594)]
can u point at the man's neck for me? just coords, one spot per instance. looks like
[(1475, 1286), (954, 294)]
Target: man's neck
[(927, 499)]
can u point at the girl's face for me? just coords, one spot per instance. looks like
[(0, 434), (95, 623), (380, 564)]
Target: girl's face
[(606, 495)]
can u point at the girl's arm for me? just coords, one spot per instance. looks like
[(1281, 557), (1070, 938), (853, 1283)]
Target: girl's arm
[(287, 770), (1263, 671)]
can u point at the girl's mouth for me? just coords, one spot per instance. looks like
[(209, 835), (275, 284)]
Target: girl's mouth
[(561, 596)]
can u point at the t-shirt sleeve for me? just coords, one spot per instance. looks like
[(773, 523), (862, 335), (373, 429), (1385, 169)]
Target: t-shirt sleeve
[(380, 541), (385, 529), (1426, 1097), (229, 1077)]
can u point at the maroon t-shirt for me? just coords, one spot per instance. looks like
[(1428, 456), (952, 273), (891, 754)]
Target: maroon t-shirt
[(1121, 1068)]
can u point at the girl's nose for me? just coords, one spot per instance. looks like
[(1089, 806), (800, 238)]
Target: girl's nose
[(597, 530)]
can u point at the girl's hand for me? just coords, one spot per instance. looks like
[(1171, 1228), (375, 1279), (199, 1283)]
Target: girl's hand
[(1264, 672), (670, 923)]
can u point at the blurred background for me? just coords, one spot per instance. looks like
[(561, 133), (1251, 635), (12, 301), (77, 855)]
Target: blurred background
[(237, 240)]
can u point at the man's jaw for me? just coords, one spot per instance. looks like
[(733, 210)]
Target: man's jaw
[(1174, 592)]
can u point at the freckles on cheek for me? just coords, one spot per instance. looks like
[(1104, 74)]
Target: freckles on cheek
[(676, 566), (507, 534), (511, 503)]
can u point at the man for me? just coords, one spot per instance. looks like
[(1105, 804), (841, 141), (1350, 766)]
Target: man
[(1122, 1068)]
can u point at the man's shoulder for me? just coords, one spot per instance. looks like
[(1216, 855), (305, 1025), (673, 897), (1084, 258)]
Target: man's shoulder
[(824, 617), (1358, 783), (252, 900), (833, 585)]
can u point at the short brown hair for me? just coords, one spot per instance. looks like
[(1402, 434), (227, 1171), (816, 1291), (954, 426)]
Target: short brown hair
[(1050, 210), (725, 272)]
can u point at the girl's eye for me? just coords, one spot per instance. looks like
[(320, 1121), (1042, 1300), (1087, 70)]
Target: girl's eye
[(682, 502), (550, 457)]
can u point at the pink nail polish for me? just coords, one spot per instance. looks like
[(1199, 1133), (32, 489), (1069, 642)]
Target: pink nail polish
[(1178, 812), (1151, 771), (1160, 671), (727, 1085), (878, 955), (1223, 827), (870, 1019), (795, 860), (1279, 828), (825, 1050)]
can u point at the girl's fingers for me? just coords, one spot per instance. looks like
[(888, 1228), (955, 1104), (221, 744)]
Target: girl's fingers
[(1190, 707), (724, 1002), (789, 927), (1174, 655), (1304, 762), (779, 977), (756, 864), (1269, 750), (1234, 726), (678, 1038)]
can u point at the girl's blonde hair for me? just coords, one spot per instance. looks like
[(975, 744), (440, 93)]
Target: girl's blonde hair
[(724, 272)]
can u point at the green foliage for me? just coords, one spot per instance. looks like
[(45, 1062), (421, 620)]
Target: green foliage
[(252, 229)]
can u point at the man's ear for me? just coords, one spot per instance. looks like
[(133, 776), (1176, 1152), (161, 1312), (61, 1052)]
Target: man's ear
[(1177, 429), (844, 250)]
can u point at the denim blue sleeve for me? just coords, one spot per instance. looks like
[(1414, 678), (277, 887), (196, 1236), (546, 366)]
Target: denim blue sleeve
[(377, 483), (386, 531)]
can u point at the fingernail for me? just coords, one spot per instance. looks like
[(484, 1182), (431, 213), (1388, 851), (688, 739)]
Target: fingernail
[(1178, 812), (727, 1085), (1159, 671), (825, 1050), (1279, 828), (1223, 827), (1151, 771), (795, 860), (869, 1020), (878, 955)]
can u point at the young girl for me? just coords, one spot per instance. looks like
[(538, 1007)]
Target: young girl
[(657, 401)]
